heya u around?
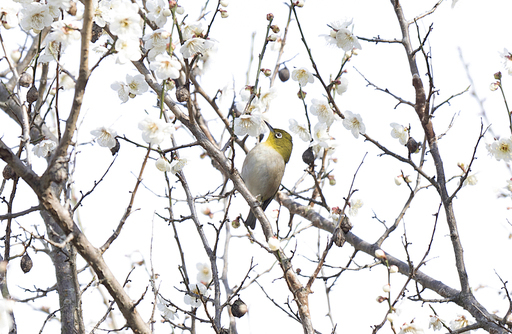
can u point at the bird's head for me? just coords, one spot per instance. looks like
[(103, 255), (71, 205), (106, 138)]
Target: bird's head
[(281, 141)]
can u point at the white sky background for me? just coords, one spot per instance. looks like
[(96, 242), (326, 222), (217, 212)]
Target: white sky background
[(480, 31)]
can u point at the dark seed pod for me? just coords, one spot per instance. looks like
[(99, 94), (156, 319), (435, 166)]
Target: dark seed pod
[(338, 237), (8, 173), (284, 74), (25, 79), (116, 148), (182, 94), (238, 308), (413, 146), (26, 263), (32, 95), (308, 156), (97, 31)]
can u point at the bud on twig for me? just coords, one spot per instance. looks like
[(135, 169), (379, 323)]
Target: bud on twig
[(270, 17)]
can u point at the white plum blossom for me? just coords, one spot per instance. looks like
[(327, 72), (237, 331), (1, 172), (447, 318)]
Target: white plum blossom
[(9, 13), (411, 328), (342, 86), (342, 37), (435, 322), (105, 137), (154, 131), (354, 123), (158, 11), (156, 42), (136, 84), (471, 180), (35, 16), (399, 132), (198, 289), (51, 50), (323, 111), (123, 91), (267, 96), (274, 244), (501, 149), (167, 312), (125, 20), (204, 274), (166, 67), (192, 30), (163, 165), (178, 165), (355, 205), (44, 147), (507, 60), (6, 307), (251, 124), (102, 12), (64, 32), (300, 130), (224, 3), (460, 322), (128, 49), (320, 135), (196, 45), (303, 76)]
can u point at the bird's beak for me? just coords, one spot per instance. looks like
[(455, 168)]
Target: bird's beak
[(270, 127)]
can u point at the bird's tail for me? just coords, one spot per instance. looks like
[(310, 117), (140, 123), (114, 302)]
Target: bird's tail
[(250, 221)]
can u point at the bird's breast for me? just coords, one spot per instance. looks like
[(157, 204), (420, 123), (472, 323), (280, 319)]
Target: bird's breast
[(263, 170)]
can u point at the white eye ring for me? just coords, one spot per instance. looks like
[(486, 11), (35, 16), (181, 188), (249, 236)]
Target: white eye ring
[(278, 135)]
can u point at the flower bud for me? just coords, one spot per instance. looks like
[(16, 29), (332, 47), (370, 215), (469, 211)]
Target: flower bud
[(236, 223), (497, 75), (223, 13), (494, 86), (224, 3), (167, 12), (270, 17), (332, 180), (393, 269), (180, 10), (386, 288), (301, 94), (275, 28), (379, 254), (381, 299), (16, 55), (299, 3), (267, 72), (272, 38)]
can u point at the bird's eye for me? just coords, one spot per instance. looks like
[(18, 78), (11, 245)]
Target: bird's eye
[(278, 135)]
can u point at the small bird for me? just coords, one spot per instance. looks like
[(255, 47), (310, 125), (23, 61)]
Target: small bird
[(264, 166)]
